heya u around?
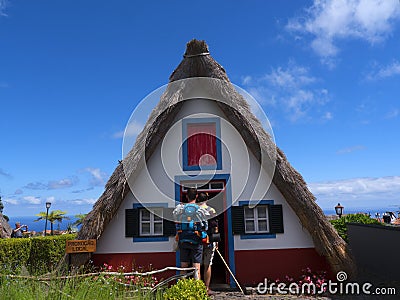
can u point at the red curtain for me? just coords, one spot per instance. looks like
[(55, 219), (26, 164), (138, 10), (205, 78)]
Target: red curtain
[(202, 141)]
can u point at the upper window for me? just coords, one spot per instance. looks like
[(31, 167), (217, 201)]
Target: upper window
[(209, 186), (201, 144)]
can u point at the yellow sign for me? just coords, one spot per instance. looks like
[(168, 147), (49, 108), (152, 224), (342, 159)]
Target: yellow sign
[(80, 246)]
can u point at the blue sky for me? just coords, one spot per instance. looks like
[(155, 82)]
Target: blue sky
[(326, 73)]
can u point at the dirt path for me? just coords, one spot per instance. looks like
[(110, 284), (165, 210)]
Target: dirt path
[(238, 295)]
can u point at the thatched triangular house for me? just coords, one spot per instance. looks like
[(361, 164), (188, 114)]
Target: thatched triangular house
[(284, 233)]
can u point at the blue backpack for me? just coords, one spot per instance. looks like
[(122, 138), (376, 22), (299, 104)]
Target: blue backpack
[(191, 225)]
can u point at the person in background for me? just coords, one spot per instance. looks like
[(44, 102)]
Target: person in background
[(210, 246), (18, 230), (190, 239)]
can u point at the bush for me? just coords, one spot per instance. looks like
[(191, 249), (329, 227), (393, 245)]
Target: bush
[(340, 224), (39, 254), (187, 289), (14, 253), (46, 252)]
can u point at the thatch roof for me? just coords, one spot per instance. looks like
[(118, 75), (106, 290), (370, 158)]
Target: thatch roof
[(5, 228), (198, 63)]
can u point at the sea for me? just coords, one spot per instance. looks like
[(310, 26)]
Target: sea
[(366, 210), (39, 225)]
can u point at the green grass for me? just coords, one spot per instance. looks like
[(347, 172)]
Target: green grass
[(95, 287), (91, 283)]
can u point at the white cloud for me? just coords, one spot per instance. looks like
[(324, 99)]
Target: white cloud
[(61, 184), (11, 201), (3, 5), (262, 94), (386, 71), (297, 103), (328, 21), (98, 177), (358, 185), (358, 192), (327, 116), (90, 201), (32, 200), (132, 130), (53, 184), (246, 80), (293, 77), (350, 149), (291, 88), (36, 186)]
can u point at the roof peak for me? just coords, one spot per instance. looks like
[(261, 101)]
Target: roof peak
[(197, 62), (196, 48)]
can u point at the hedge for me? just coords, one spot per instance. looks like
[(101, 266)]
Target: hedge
[(340, 224), (14, 253), (46, 252), (38, 254)]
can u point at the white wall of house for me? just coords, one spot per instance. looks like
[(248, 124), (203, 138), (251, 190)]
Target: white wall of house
[(113, 239), (155, 184)]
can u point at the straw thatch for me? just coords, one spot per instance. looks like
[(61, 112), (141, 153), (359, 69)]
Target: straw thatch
[(198, 63), (5, 228)]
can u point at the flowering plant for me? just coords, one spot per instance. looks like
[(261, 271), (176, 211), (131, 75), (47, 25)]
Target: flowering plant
[(307, 278), (317, 278), (146, 281)]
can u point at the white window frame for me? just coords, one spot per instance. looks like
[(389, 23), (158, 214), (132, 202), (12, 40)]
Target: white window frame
[(156, 211), (255, 219), (206, 186)]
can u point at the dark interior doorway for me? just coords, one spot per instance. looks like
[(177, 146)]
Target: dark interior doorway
[(218, 274)]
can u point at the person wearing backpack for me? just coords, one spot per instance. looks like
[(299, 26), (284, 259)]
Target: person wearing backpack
[(191, 225)]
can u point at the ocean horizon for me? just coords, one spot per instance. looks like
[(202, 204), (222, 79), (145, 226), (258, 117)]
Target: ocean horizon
[(39, 225), (366, 210)]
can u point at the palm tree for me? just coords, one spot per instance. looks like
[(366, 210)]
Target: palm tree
[(53, 216), (79, 219), (73, 227)]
